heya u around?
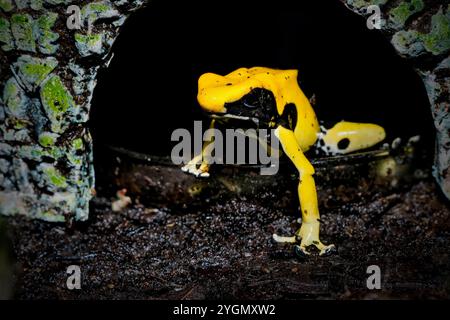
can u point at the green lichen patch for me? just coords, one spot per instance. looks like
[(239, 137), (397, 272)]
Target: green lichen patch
[(19, 124), (22, 30), (413, 43), (407, 43), (15, 99), (6, 5), (437, 41), (5, 35), (44, 34), (400, 14), (93, 11), (93, 43), (56, 100), (33, 71), (77, 144), (89, 44), (74, 153), (53, 178), (47, 139)]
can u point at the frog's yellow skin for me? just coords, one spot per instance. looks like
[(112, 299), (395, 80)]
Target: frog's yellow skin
[(215, 92)]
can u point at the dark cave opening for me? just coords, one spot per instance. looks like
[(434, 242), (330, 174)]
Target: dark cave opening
[(150, 87)]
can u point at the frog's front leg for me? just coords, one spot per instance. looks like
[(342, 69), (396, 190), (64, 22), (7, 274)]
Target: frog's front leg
[(199, 165), (309, 230)]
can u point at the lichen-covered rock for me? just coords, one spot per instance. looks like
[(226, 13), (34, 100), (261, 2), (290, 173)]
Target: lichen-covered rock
[(33, 71), (5, 35), (44, 34), (45, 97), (408, 43), (22, 30), (437, 41), (48, 139), (6, 5), (404, 10), (89, 44), (15, 98), (46, 159), (57, 102), (51, 178), (33, 4), (422, 34), (413, 43)]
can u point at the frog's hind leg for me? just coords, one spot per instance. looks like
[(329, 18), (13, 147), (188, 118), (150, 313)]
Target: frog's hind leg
[(345, 137)]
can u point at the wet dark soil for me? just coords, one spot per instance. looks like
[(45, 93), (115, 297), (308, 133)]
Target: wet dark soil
[(223, 249)]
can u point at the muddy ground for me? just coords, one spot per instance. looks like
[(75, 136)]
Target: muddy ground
[(222, 248)]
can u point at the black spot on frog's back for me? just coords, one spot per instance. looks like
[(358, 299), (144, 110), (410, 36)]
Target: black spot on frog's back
[(343, 144)]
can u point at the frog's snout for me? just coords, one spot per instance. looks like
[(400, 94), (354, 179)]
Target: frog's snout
[(347, 137)]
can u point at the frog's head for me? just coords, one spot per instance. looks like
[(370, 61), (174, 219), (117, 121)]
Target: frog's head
[(242, 94)]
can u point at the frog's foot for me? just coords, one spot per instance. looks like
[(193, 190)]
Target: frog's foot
[(309, 235), (281, 239), (197, 170)]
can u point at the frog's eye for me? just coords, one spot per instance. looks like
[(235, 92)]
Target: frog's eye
[(250, 106)]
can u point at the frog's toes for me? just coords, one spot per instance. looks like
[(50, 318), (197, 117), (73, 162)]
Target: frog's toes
[(192, 169), (204, 174), (300, 251), (328, 250), (185, 168), (282, 239)]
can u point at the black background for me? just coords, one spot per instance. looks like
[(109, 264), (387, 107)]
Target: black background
[(150, 86)]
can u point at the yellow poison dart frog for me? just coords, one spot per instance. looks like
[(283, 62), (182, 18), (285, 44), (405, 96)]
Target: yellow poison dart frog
[(243, 93)]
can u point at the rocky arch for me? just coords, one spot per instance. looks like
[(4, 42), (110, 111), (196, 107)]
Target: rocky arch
[(48, 75)]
